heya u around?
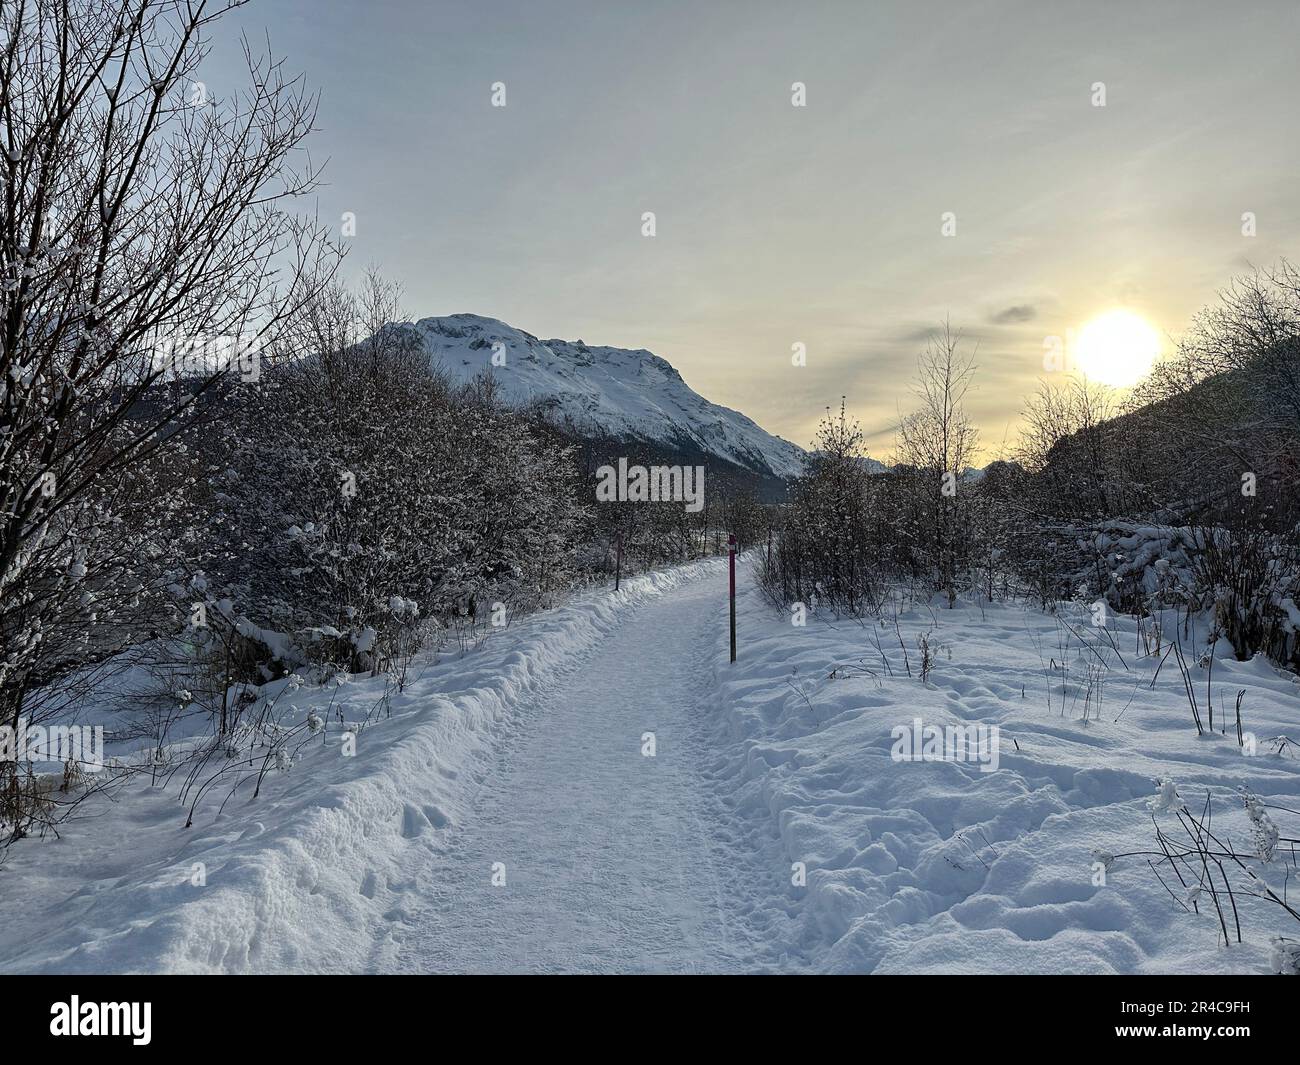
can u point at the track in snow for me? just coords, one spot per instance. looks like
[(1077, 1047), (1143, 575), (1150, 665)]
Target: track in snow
[(613, 861)]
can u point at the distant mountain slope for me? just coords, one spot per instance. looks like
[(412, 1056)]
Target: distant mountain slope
[(603, 391)]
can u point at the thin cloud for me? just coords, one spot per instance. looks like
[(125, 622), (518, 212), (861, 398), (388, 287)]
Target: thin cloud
[(1020, 312)]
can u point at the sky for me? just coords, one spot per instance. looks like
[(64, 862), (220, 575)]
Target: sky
[(820, 225)]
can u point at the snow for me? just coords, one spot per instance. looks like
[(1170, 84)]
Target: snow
[(313, 876), (507, 817), (602, 390), (940, 867), (604, 860)]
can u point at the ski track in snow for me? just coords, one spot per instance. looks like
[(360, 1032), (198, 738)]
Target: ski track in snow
[(615, 861)]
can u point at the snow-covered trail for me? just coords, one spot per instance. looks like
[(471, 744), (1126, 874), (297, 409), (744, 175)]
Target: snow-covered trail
[(773, 829), (583, 853)]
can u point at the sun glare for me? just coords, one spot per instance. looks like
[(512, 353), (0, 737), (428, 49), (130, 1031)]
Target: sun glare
[(1117, 348)]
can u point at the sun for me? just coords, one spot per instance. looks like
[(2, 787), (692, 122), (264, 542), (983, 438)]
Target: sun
[(1117, 348)]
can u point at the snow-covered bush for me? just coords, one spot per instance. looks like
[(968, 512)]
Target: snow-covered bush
[(358, 500), (1246, 577), (824, 552), (1250, 578), (1132, 563)]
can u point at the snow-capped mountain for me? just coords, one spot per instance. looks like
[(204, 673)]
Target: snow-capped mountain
[(613, 392)]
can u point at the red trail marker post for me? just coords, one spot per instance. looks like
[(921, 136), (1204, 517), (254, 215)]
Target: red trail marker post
[(731, 563)]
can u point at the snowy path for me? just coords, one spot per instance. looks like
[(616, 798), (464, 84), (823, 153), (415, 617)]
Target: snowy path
[(527, 751), (612, 859)]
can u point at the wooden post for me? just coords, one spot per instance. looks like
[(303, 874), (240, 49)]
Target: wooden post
[(731, 564)]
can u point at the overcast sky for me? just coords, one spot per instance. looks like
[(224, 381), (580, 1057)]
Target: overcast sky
[(820, 224)]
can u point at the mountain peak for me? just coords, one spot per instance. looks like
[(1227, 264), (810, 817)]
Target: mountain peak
[(595, 389)]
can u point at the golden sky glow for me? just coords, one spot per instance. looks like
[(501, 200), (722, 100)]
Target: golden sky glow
[(822, 224)]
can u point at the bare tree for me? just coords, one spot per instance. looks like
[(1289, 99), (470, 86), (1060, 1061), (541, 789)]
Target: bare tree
[(1070, 442), (1230, 398), (140, 220), (937, 444)]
